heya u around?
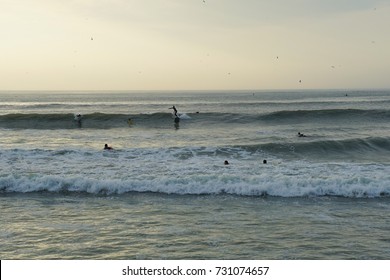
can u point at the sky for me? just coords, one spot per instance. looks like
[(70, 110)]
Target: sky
[(194, 44)]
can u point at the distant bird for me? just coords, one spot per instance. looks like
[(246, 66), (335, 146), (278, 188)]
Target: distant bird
[(300, 81), (91, 38)]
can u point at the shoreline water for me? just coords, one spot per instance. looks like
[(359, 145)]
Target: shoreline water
[(156, 226)]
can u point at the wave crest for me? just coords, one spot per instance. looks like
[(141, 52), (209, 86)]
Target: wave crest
[(270, 181)]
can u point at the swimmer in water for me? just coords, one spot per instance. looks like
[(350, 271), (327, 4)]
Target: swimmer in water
[(106, 147), (301, 135)]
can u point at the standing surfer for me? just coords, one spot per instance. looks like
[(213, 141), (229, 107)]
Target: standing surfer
[(177, 118), (175, 111)]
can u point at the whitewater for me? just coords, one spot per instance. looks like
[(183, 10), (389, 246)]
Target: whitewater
[(165, 183)]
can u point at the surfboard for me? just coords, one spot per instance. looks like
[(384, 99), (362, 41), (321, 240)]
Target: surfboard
[(177, 116)]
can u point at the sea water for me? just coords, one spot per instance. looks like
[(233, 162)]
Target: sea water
[(164, 192)]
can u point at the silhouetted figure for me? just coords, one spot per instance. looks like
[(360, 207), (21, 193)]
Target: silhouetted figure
[(174, 111), (106, 147)]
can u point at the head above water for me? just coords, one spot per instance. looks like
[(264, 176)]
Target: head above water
[(106, 147)]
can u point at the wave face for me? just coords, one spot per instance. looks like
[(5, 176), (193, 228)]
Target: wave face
[(63, 121), (107, 121), (328, 115), (332, 149), (346, 151)]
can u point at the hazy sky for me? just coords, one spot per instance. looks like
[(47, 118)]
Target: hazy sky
[(194, 44)]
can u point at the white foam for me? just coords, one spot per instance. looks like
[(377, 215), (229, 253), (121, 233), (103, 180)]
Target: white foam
[(145, 171), (186, 171), (184, 116)]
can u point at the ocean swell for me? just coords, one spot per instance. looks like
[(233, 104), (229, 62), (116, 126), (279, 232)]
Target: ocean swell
[(105, 121)]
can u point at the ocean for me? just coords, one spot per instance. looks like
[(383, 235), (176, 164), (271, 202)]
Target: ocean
[(164, 190)]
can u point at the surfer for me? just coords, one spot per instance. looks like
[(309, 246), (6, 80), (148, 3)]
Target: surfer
[(301, 134), (77, 118), (106, 147), (226, 162), (175, 111)]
